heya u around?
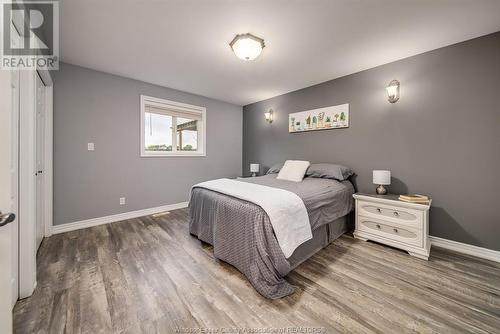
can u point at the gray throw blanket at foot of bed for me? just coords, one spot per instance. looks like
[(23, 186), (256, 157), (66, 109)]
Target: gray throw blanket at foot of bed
[(242, 235)]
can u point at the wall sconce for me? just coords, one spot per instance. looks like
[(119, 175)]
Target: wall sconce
[(269, 116), (393, 91)]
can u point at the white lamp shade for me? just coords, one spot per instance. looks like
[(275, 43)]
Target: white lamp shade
[(382, 177), (254, 168), (392, 91)]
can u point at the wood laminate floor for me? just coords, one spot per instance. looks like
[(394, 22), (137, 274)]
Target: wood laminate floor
[(148, 275)]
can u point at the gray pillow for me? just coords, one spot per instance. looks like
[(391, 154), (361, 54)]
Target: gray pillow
[(329, 171), (275, 169)]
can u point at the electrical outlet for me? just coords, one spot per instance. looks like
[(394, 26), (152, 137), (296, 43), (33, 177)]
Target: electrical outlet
[(122, 200), (90, 146)]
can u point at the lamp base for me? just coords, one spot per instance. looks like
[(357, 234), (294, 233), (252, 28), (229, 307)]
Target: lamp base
[(381, 190), (254, 174)]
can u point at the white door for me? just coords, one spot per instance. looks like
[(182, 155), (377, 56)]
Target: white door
[(5, 202), (40, 158)]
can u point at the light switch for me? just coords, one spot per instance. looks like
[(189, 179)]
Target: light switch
[(122, 200), (90, 146)]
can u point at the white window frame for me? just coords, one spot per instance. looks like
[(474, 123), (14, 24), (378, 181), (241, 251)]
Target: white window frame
[(175, 107)]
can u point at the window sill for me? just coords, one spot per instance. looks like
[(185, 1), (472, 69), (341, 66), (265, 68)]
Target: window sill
[(172, 155)]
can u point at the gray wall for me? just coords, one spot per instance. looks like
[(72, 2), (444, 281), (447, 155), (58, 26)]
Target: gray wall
[(442, 138), (91, 106)]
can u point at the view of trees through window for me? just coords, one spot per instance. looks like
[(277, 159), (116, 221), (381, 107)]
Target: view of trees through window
[(158, 133)]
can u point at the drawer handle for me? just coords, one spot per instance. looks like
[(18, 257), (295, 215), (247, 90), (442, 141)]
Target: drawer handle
[(396, 213), (378, 210), (395, 230), (378, 226)]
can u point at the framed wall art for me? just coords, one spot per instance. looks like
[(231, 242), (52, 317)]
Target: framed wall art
[(334, 117)]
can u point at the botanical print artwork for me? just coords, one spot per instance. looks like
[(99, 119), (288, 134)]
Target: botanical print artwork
[(319, 119)]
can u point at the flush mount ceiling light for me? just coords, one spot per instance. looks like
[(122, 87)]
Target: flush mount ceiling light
[(247, 46)]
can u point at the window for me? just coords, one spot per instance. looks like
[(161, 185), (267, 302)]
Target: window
[(171, 128)]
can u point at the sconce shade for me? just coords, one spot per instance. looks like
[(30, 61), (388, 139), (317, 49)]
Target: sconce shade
[(269, 116), (254, 168), (382, 177), (393, 91)]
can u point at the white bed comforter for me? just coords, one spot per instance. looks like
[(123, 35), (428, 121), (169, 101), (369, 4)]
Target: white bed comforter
[(286, 211)]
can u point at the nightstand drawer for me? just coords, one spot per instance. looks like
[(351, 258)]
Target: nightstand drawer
[(402, 216), (406, 235)]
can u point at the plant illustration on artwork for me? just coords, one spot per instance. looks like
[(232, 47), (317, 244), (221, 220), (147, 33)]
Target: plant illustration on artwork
[(328, 122), (321, 120)]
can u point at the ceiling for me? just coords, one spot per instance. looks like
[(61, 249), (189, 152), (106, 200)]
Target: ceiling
[(183, 44)]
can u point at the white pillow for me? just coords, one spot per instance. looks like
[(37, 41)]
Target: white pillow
[(293, 170)]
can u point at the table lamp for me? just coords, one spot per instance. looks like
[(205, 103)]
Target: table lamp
[(381, 177), (254, 169)]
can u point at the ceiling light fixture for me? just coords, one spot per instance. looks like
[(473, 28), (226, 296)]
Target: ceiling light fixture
[(247, 46)]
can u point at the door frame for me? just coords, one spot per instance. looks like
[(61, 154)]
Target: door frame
[(15, 92), (27, 170), (6, 182), (15, 109), (49, 154)]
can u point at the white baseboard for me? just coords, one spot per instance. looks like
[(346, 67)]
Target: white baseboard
[(115, 218), (459, 247)]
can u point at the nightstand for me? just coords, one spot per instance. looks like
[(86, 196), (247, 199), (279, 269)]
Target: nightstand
[(386, 219)]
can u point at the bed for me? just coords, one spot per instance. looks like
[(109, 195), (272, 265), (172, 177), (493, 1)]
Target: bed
[(243, 236)]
